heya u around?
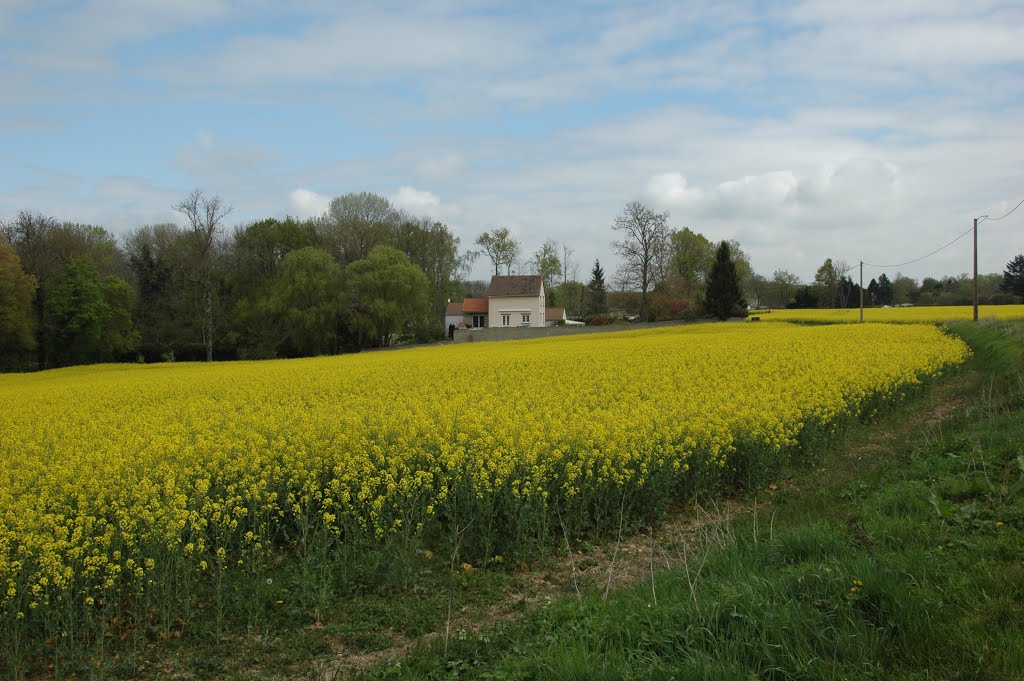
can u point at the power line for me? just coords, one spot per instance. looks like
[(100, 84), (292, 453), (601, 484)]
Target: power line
[(982, 218), (909, 262)]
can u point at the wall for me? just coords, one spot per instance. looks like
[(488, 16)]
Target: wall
[(515, 306), (522, 333)]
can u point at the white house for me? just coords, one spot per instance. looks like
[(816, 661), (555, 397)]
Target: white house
[(516, 300), (512, 301)]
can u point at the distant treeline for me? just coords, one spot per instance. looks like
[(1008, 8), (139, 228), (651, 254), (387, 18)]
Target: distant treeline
[(364, 275)]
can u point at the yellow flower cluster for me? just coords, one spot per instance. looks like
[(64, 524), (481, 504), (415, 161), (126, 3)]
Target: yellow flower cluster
[(110, 473), (935, 314)]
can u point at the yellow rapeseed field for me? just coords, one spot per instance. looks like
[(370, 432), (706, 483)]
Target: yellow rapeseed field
[(923, 314), (117, 478)]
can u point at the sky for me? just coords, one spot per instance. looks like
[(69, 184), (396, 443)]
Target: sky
[(857, 131)]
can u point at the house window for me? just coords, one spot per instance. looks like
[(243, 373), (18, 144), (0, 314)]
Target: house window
[(526, 318), (506, 320), (478, 321)]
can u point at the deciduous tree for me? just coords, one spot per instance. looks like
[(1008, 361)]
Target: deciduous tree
[(644, 234), (306, 301), (784, 285), (17, 318), (388, 297), (546, 263), (501, 248), (356, 223), (205, 215), (692, 255)]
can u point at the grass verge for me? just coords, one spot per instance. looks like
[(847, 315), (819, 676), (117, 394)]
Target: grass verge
[(901, 558)]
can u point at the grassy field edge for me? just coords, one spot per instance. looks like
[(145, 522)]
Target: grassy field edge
[(901, 556)]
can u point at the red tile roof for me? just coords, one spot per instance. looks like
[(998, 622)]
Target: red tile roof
[(475, 305), (453, 310), (554, 313)]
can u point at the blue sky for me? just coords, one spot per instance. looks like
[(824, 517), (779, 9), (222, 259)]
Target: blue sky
[(805, 130)]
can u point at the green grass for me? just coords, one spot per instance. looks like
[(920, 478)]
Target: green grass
[(901, 556)]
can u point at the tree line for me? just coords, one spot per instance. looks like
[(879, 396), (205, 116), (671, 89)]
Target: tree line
[(361, 275), (668, 271), (365, 274)]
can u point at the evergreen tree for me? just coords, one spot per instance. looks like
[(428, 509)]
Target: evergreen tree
[(885, 291), (597, 292), (723, 296), (1013, 276)]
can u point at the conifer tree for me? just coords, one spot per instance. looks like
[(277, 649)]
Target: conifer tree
[(597, 293), (1013, 277), (723, 297)]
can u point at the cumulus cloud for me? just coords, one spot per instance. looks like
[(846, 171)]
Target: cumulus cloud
[(671, 189), (422, 202), (306, 203)]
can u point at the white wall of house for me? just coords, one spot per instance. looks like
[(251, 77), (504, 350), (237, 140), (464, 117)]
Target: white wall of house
[(515, 308)]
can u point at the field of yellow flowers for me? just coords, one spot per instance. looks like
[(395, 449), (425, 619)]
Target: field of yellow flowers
[(934, 314), (131, 493)]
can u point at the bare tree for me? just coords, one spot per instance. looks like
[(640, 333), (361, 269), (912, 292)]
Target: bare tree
[(644, 236), (355, 223), (842, 269), (784, 284), (569, 266), (205, 214)]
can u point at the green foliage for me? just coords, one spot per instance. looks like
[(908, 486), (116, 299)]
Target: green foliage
[(165, 311), (306, 301), (782, 288), (547, 264), (692, 256), (572, 295), (501, 248), (256, 259), (1013, 277), (884, 296), (723, 296), (597, 292), (119, 334), (389, 298), (356, 223), (434, 249), (89, 317), (17, 318)]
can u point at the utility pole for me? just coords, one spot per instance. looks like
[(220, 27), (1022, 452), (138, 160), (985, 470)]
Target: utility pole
[(861, 291), (975, 269)]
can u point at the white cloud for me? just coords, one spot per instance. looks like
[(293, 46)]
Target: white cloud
[(423, 202), (670, 189), (306, 203)]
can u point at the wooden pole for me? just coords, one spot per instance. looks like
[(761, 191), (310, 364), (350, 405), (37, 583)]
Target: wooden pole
[(861, 291), (975, 269)]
